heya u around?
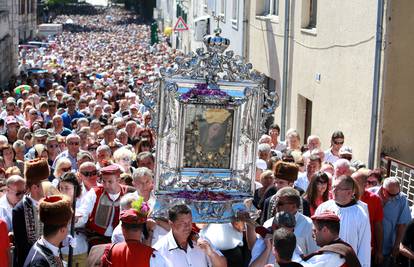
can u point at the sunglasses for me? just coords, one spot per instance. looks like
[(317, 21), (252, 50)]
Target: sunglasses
[(89, 174), (372, 182), (66, 169), (391, 195), (53, 146), (338, 142), (73, 143), (92, 148)]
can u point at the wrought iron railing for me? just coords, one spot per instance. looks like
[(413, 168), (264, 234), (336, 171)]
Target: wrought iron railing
[(404, 173)]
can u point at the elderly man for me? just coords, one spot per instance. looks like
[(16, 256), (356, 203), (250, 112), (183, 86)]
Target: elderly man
[(179, 247), (342, 167), (58, 128), (100, 208), (73, 144), (334, 252), (144, 184), (396, 216), (16, 188), (355, 228), (313, 142)]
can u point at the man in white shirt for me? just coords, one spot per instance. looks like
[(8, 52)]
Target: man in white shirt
[(16, 188), (355, 227), (181, 249)]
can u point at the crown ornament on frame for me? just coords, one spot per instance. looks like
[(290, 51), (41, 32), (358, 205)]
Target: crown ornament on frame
[(213, 63)]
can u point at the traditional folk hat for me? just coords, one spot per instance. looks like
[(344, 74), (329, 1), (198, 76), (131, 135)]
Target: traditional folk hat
[(55, 210), (286, 171), (326, 216), (111, 169), (35, 171), (137, 214)]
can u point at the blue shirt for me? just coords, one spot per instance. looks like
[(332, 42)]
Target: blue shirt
[(396, 211), (67, 119)]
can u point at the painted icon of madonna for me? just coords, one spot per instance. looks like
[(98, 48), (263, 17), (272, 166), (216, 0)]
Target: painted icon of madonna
[(208, 137)]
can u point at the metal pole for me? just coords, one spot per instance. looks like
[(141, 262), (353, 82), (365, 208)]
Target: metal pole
[(376, 84), (285, 71), (72, 227)]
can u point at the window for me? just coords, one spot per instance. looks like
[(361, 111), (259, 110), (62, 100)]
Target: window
[(33, 6), (310, 8), (272, 8), (222, 10), (235, 10), (22, 8)]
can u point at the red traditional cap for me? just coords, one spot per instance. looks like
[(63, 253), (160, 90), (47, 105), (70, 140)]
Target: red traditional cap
[(132, 216), (326, 216), (111, 169)]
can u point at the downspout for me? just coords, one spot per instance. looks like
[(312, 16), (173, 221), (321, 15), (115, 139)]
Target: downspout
[(245, 44), (285, 71), (376, 85)]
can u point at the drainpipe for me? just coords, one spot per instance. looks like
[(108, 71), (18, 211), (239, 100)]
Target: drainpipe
[(285, 71), (245, 38), (376, 85)]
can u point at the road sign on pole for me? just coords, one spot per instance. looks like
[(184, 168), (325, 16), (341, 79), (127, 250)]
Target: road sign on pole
[(180, 25)]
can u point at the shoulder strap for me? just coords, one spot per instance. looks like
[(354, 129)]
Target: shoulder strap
[(107, 255)]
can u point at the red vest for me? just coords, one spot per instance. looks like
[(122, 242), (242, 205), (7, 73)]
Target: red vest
[(130, 253), (102, 211)]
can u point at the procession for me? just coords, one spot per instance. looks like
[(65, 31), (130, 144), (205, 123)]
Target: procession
[(122, 151)]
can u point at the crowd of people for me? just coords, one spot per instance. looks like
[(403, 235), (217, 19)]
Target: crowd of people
[(77, 173)]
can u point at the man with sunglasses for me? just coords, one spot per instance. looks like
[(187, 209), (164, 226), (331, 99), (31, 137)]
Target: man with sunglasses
[(73, 145), (16, 187), (354, 224), (396, 216)]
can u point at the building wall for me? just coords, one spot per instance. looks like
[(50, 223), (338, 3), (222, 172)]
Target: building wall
[(8, 41), (398, 99), (340, 50)]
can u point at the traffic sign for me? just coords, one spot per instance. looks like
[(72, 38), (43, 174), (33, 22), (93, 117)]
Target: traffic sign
[(180, 25)]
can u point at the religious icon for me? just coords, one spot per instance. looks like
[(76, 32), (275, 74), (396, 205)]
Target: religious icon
[(208, 135)]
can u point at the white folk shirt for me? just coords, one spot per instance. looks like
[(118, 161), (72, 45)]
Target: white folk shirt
[(330, 259), (303, 233), (222, 236), (355, 227), (6, 212), (86, 208), (177, 257)]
